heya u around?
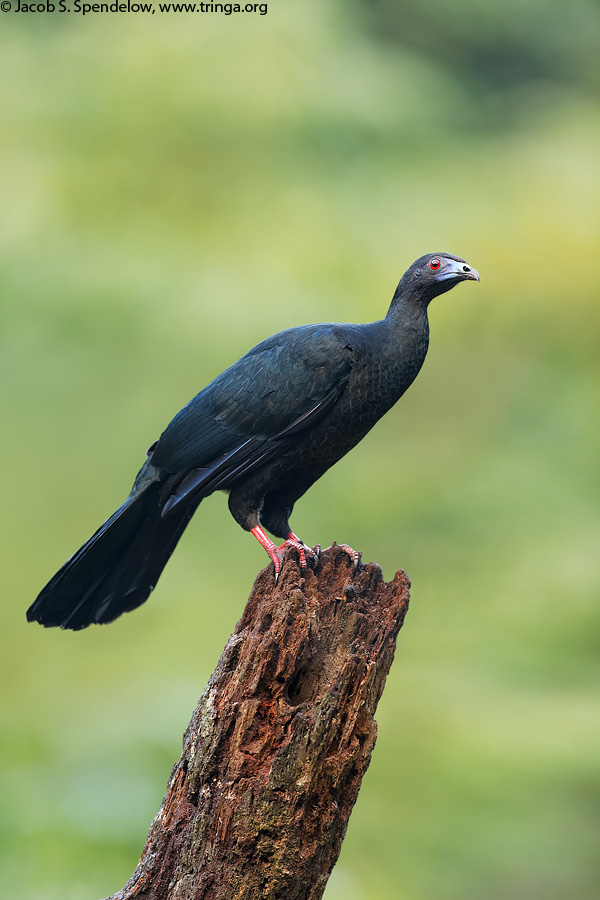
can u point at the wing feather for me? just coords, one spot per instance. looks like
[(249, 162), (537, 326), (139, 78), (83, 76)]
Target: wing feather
[(242, 460), (280, 385)]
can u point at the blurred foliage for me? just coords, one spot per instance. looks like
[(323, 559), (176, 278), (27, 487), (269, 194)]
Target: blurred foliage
[(174, 189), (499, 52)]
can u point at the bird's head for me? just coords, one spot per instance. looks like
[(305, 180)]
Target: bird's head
[(435, 274)]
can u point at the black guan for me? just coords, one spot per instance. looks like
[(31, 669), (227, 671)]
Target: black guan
[(264, 430)]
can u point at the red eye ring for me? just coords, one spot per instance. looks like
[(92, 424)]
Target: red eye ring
[(435, 264)]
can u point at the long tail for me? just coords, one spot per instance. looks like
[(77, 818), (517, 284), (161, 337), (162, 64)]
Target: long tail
[(116, 569)]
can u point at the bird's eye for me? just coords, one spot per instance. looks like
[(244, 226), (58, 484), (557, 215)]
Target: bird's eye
[(435, 264)]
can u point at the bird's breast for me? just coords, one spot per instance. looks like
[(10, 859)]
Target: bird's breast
[(375, 384)]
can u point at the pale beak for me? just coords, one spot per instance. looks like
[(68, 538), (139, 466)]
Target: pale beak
[(458, 271)]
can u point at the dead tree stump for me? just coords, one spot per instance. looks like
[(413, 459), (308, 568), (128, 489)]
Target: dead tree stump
[(258, 805)]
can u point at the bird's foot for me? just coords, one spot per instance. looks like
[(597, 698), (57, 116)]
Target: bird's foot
[(277, 554), (354, 555), (302, 548)]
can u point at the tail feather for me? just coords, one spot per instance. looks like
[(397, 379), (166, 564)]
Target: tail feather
[(116, 569)]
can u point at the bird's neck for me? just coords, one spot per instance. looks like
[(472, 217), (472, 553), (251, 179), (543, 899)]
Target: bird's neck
[(404, 340), (407, 314)]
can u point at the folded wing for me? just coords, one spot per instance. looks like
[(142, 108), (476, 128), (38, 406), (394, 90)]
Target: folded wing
[(252, 413)]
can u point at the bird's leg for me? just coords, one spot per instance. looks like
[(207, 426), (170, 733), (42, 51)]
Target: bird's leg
[(271, 548)]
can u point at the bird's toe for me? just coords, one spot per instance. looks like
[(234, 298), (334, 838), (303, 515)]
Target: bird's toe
[(355, 555)]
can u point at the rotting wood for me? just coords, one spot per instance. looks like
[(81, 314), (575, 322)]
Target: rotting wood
[(273, 758)]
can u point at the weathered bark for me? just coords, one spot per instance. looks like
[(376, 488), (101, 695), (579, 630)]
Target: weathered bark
[(258, 805)]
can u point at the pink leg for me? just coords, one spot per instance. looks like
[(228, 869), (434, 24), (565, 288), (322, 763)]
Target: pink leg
[(269, 546)]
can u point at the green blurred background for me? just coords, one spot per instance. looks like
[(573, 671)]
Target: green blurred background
[(176, 187)]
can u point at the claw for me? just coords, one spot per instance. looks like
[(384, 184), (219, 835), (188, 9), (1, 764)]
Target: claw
[(354, 555)]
